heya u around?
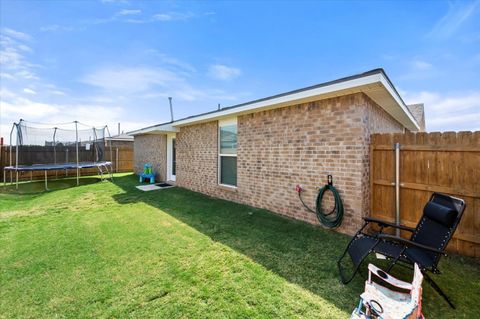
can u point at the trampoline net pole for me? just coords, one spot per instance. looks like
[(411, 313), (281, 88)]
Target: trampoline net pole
[(76, 143), (16, 153), (94, 145), (111, 154), (55, 151), (11, 149)]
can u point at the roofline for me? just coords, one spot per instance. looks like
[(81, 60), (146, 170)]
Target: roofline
[(120, 139), (366, 78)]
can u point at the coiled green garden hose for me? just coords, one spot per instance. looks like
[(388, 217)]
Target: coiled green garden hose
[(334, 218)]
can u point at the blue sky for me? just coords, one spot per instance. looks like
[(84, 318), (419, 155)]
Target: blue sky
[(118, 61)]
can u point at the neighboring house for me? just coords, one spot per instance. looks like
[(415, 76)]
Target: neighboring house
[(256, 152), (122, 152), (122, 139)]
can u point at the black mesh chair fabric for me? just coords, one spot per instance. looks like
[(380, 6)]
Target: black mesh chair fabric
[(441, 216)]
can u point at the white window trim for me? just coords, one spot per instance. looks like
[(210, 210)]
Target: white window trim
[(224, 122)]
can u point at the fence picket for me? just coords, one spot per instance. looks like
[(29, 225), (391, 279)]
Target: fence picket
[(446, 162)]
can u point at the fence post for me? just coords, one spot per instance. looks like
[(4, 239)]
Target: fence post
[(397, 187), (116, 159)]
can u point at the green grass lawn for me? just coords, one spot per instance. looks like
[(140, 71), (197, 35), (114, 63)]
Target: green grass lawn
[(107, 250)]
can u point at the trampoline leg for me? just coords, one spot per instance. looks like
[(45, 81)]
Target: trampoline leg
[(46, 183), (4, 179)]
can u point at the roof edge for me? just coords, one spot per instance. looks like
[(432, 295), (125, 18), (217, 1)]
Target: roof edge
[(383, 79)]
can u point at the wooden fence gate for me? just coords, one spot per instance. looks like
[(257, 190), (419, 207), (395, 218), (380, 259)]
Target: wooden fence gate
[(429, 162)]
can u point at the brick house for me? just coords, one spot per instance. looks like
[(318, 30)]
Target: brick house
[(256, 152)]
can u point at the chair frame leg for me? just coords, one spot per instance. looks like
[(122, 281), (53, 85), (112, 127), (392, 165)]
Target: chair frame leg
[(342, 275), (429, 279), (339, 262), (357, 267), (438, 289)]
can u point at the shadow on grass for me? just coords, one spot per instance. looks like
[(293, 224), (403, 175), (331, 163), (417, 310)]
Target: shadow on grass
[(38, 186), (303, 254)]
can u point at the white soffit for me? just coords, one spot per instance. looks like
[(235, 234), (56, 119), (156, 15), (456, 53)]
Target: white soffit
[(157, 129)]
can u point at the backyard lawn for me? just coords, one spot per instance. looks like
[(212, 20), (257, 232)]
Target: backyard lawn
[(107, 250)]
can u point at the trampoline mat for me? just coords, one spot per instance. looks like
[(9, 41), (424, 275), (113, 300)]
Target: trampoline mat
[(49, 167)]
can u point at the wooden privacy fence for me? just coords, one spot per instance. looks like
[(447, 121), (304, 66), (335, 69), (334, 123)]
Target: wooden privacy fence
[(429, 162), (122, 160)]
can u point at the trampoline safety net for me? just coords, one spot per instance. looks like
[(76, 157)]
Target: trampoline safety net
[(57, 145), (61, 147)]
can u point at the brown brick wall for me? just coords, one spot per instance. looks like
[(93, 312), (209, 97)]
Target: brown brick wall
[(197, 158), (151, 149), (282, 147), (377, 121)]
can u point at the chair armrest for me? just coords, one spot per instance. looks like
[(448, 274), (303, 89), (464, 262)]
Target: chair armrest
[(388, 278), (387, 224), (411, 243)]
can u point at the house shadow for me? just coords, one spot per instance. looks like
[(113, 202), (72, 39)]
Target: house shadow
[(302, 254)]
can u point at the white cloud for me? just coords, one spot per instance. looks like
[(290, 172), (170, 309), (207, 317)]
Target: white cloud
[(25, 108), (127, 12), (15, 34), (27, 75), (457, 14), (58, 92), (15, 107), (421, 65), (25, 48), (60, 28), (132, 83), (13, 55), (9, 57), (173, 16), (176, 63), (5, 75), (449, 111), (130, 80), (223, 72), (29, 91), (114, 1), (135, 16)]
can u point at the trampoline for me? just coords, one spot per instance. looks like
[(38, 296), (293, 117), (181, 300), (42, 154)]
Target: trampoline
[(47, 149)]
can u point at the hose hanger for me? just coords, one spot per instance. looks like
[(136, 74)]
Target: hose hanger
[(332, 219)]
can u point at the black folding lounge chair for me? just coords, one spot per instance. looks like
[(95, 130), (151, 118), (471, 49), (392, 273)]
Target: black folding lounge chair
[(427, 244)]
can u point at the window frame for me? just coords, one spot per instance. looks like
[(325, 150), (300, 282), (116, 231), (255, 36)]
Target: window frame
[(221, 123)]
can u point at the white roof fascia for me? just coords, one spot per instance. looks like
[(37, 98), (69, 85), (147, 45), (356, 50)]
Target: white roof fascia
[(357, 83), (400, 102), (158, 129)]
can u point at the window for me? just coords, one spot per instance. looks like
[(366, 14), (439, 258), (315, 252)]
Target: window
[(227, 152)]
